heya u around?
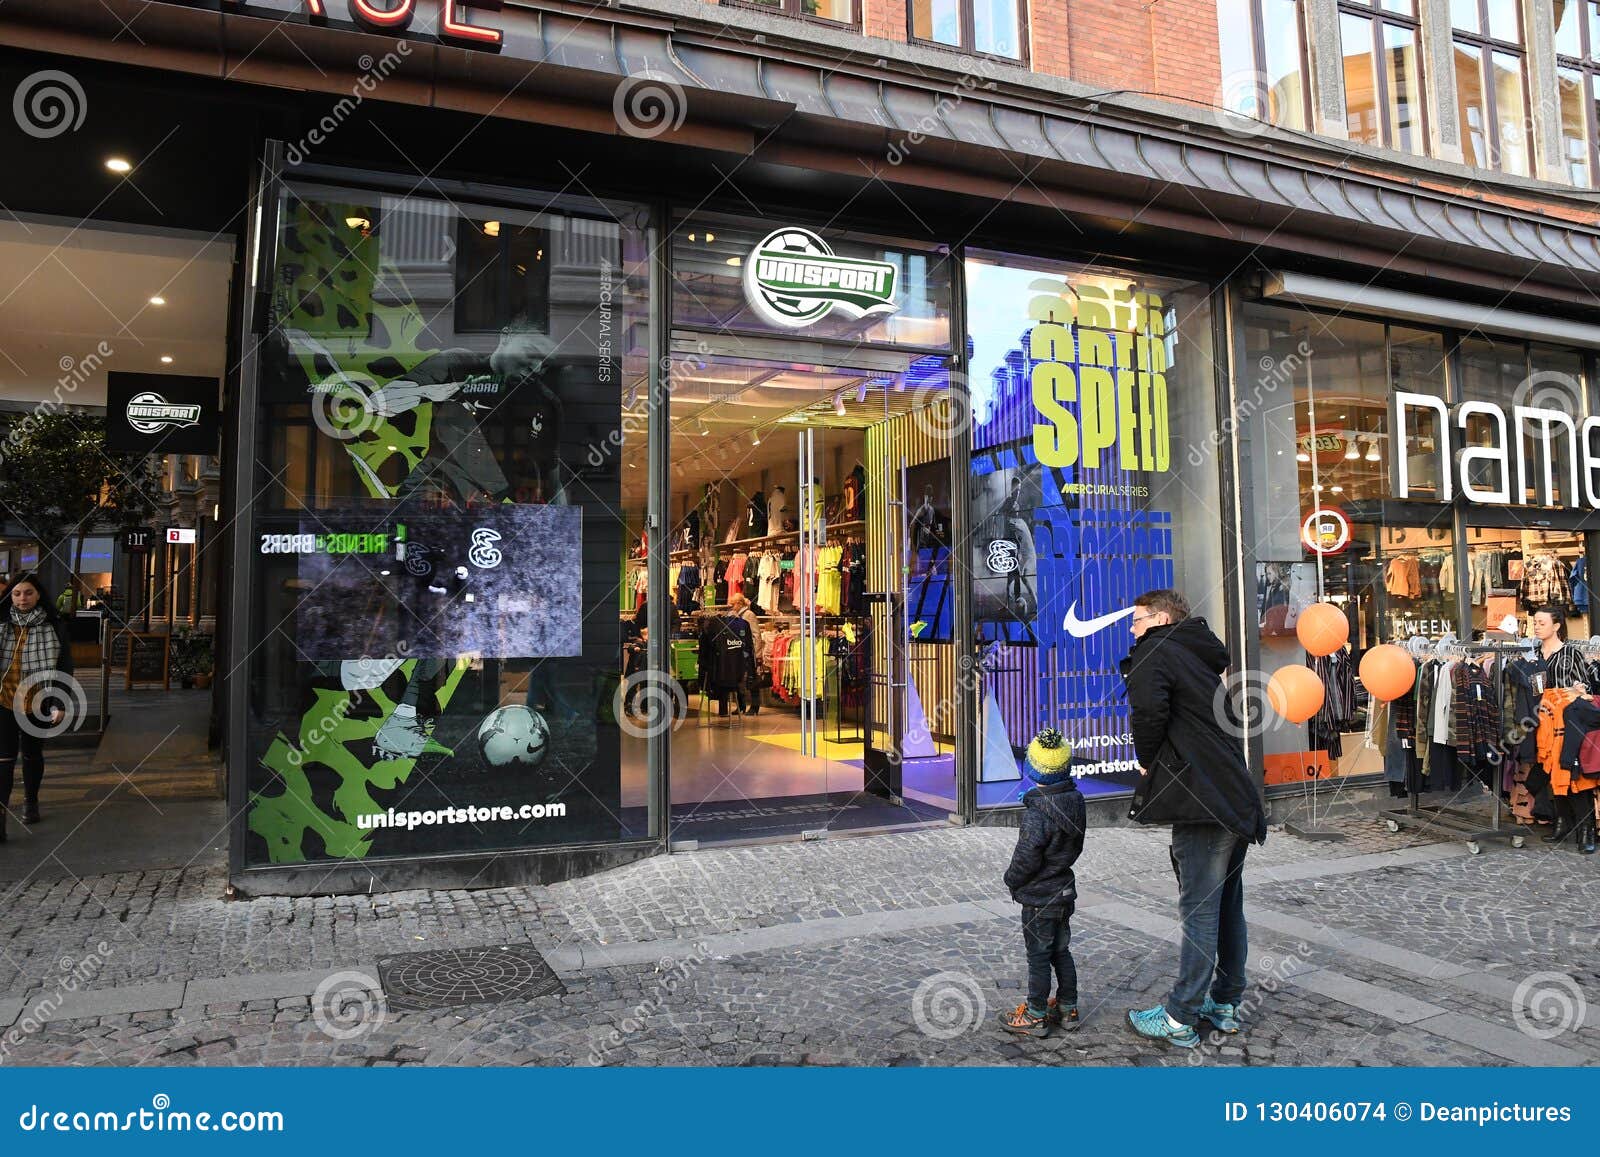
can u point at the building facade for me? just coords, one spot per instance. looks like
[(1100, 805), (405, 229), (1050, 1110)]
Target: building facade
[(935, 332)]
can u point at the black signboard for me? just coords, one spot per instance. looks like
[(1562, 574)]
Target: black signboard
[(161, 413), (138, 540), (143, 658)]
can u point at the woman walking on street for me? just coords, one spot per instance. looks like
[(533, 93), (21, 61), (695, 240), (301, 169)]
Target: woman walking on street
[(34, 652)]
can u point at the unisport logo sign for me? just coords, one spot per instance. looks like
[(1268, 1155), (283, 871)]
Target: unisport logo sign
[(150, 413), (792, 279)]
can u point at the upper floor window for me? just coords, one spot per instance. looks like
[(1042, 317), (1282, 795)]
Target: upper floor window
[(1383, 96), (992, 27), (1492, 84), (1264, 61), (1578, 81), (833, 11)]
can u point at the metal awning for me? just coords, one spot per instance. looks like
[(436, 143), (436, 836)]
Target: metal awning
[(791, 106)]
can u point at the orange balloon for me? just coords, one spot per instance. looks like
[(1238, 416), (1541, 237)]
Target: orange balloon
[(1322, 629), (1295, 693), (1388, 671)]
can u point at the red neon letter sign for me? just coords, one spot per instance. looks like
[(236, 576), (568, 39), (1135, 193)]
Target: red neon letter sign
[(452, 25), (387, 19)]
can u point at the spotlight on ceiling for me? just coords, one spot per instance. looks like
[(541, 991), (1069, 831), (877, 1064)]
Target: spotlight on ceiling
[(158, 300), (119, 165)]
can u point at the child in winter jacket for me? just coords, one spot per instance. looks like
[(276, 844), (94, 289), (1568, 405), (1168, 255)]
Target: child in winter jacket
[(1040, 877)]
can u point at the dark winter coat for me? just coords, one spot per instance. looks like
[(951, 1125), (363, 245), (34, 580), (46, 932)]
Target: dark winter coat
[(1196, 767), (1049, 842)]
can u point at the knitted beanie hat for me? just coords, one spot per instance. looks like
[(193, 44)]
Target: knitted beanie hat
[(1049, 757)]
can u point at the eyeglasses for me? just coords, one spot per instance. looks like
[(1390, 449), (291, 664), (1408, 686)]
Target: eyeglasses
[(1151, 615)]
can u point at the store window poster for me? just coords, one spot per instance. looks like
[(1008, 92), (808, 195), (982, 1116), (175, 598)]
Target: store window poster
[(929, 604), (444, 681)]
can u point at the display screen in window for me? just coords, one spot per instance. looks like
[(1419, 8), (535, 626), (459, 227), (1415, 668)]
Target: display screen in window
[(439, 467)]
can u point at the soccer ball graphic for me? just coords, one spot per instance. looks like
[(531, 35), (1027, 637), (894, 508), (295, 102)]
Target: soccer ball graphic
[(513, 736)]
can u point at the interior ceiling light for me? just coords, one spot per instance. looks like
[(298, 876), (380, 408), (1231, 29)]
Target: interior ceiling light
[(861, 392), (1302, 456), (838, 404), (491, 228), (166, 359), (1352, 451), (119, 165), (158, 300), (735, 261), (1372, 451), (755, 437), (358, 222)]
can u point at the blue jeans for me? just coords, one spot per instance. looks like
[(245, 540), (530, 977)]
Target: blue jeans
[(1209, 861), (1047, 936)]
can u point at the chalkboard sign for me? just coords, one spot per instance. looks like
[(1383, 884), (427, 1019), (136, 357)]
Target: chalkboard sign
[(143, 658)]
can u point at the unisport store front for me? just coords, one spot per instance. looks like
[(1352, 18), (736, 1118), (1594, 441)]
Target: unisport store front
[(569, 520)]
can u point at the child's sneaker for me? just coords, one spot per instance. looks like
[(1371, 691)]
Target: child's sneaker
[(1064, 1019), (1025, 1022), (1154, 1024), (1223, 1017)]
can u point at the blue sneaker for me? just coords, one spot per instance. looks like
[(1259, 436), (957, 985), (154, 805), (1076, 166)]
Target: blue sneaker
[(1155, 1024), (1223, 1017)]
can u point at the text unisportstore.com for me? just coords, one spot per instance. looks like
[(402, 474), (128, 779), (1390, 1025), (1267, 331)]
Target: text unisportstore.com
[(460, 815)]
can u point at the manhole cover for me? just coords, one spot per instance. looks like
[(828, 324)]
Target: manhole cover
[(423, 980)]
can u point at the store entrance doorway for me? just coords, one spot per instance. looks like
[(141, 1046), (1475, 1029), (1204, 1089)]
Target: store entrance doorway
[(121, 537), (811, 528)]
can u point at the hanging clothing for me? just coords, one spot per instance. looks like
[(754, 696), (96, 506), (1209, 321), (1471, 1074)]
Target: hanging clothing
[(1579, 580), (727, 654), (1579, 766), (1544, 581), (1402, 578), (1337, 713), (1477, 716)]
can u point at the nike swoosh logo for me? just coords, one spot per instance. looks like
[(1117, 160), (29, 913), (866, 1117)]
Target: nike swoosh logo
[(1079, 628)]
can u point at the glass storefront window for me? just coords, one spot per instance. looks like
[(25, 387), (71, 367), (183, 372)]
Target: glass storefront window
[(1093, 478), (1326, 393), (1315, 398), (433, 648)]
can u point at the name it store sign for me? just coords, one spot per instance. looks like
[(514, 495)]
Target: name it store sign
[(1551, 447), (445, 19)]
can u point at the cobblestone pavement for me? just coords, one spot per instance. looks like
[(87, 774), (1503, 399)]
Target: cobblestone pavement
[(1384, 948)]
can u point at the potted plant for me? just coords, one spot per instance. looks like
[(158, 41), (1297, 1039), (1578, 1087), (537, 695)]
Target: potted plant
[(191, 658)]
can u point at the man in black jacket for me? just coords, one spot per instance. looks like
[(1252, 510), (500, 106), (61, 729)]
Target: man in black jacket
[(1049, 841), (1194, 777)]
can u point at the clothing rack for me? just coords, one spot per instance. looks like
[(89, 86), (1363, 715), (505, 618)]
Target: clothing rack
[(1458, 821)]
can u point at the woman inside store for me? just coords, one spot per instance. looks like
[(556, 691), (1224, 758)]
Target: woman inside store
[(1570, 678), (35, 656)]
